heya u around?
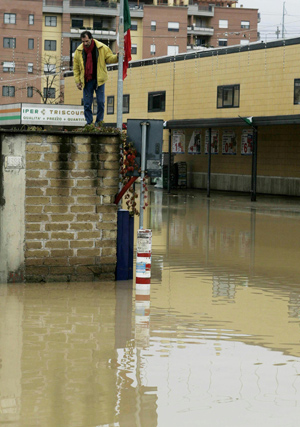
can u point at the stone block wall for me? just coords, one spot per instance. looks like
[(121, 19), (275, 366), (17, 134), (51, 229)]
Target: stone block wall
[(70, 215)]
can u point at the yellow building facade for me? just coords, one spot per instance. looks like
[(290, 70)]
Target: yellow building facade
[(221, 86)]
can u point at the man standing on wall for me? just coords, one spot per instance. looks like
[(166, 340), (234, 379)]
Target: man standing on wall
[(90, 73)]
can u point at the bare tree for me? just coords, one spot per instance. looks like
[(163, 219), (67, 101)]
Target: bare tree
[(49, 76)]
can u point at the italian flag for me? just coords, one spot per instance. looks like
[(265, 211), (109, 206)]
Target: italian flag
[(127, 39)]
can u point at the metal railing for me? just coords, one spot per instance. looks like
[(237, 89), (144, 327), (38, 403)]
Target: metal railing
[(93, 3), (201, 8), (53, 2)]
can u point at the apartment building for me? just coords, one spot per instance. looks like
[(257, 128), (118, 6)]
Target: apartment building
[(21, 25), (41, 36)]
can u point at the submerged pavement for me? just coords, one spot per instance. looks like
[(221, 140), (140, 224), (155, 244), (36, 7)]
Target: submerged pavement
[(220, 345)]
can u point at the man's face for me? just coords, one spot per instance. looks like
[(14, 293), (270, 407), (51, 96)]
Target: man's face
[(86, 41)]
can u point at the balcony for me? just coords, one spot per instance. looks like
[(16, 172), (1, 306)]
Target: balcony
[(107, 34), (93, 3), (196, 47), (53, 6), (195, 10), (92, 7), (200, 31)]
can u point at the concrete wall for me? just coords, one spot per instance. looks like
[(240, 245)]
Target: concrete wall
[(12, 208), (59, 223)]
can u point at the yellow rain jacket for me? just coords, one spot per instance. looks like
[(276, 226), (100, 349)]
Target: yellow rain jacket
[(104, 56)]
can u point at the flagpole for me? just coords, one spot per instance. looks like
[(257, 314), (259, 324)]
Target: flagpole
[(120, 67)]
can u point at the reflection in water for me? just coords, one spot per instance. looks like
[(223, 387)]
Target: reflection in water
[(220, 343)]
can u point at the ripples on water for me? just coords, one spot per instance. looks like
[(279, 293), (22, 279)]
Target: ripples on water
[(216, 345)]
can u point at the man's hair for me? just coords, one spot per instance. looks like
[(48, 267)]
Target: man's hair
[(86, 33)]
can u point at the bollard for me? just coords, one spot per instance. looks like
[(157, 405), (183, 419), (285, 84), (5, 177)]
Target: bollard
[(142, 292), (143, 257)]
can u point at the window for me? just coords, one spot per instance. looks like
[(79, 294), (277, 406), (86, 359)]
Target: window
[(98, 24), (74, 45), (9, 18), (50, 44), (152, 49), (30, 44), (30, 92), (134, 49), (49, 92), (156, 101), (245, 25), (173, 50), (49, 68), (110, 104), (223, 23), (126, 104), (8, 91), (77, 23), (134, 26), (222, 42), (9, 42), (153, 25), (30, 67), (8, 67), (173, 26), (297, 91), (244, 42), (94, 106), (50, 21), (30, 19), (228, 96)]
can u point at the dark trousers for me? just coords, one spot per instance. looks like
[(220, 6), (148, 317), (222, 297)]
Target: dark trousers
[(88, 95)]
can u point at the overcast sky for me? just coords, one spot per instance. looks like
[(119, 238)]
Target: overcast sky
[(271, 12)]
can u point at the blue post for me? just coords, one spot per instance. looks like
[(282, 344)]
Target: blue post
[(124, 246)]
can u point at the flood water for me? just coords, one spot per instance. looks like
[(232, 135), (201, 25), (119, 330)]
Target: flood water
[(217, 343)]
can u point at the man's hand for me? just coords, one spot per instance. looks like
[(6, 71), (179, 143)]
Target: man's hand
[(79, 86)]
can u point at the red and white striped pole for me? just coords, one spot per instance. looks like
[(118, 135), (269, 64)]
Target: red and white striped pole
[(142, 294)]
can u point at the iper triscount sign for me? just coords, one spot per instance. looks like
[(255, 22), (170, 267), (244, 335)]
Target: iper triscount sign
[(41, 115)]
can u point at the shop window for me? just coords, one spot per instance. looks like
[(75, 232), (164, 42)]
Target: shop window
[(228, 96), (156, 101)]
